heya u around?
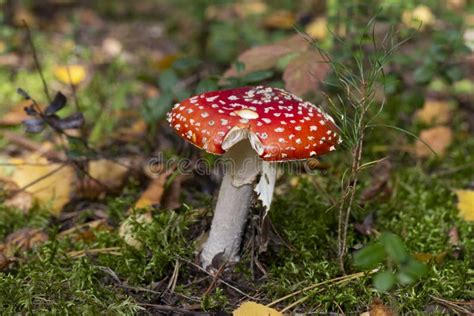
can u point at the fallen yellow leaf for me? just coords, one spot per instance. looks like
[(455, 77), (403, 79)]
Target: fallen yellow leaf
[(47, 182), (109, 172), (280, 19), (435, 112), (420, 17), (466, 204), (318, 28), (250, 8), (255, 309), (70, 74), (438, 138)]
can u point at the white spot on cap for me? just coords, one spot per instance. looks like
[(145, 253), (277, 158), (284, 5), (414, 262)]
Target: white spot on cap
[(267, 120), (224, 121), (210, 99), (313, 153), (298, 141), (204, 114), (279, 130), (247, 114), (233, 98), (298, 128), (313, 128)]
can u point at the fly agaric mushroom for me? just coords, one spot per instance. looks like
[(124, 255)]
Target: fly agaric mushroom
[(255, 127)]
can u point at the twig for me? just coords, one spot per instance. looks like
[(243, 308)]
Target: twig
[(174, 277), (220, 280), (29, 144), (337, 280), (452, 305), (215, 279), (82, 253), (36, 59), (166, 308)]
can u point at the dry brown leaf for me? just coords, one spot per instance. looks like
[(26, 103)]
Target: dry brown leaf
[(379, 186), (377, 308), (438, 138), (16, 115), (255, 309), (14, 197), (21, 200), (266, 56), (154, 192), (453, 235), (4, 261), (281, 19), (435, 112), (466, 204), (86, 231), (24, 240), (456, 5), (305, 72), (136, 130)]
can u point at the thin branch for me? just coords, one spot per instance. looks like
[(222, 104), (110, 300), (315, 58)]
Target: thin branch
[(36, 59)]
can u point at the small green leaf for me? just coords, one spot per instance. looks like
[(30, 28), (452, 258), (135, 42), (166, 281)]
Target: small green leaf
[(369, 256), (394, 247), (384, 281), (257, 76), (411, 271), (186, 63), (168, 80), (156, 108), (424, 73), (239, 66), (206, 85)]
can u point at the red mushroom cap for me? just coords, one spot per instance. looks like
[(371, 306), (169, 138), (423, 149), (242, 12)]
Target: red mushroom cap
[(284, 126)]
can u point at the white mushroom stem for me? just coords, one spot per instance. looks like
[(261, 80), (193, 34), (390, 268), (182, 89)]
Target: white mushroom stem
[(233, 203)]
